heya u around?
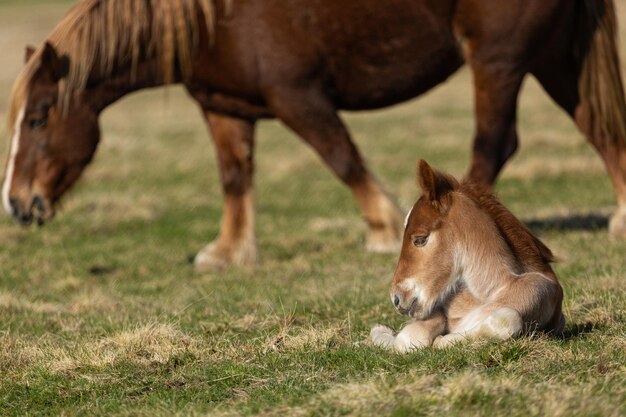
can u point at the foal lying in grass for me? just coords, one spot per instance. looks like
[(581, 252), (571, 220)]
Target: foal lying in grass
[(468, 269)]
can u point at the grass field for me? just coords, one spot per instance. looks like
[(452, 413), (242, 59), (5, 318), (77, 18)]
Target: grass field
[(101, 312)]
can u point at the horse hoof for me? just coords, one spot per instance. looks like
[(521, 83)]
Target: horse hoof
[(617, 225), (215, 257), (385, 229)]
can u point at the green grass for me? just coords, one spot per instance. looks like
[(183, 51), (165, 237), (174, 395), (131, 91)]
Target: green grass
[(102, 314)]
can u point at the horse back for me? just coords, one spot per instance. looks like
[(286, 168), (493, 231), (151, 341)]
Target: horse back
[(366, 54)]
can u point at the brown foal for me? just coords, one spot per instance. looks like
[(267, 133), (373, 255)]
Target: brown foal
[(468, 269)]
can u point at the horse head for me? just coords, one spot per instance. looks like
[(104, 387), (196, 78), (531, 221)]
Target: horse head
[(52, 140), (426, 263)]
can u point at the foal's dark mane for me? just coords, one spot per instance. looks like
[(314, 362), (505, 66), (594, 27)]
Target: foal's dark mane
[(529, 251)]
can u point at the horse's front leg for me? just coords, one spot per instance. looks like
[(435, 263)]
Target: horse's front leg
[(415, 335), (236, 243)]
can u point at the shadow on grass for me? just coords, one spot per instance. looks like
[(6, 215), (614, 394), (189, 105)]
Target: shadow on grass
[(579, 330), (574, 222)]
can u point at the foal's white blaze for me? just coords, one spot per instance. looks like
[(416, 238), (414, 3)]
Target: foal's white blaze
[(8, 179), (406, 219)]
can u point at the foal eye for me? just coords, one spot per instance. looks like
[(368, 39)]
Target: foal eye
[(420, 241), (35, 124)]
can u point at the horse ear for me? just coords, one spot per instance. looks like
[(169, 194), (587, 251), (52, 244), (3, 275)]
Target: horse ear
[(434, 184), (57, 66), (28, 54)]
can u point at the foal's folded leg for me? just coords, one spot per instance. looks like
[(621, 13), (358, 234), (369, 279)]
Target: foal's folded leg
[(492, 322), (444, 341), (415, 335), (501, 324), (382, 336)]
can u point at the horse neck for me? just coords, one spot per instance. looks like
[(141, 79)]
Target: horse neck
[(102, 91), (117, 47), (482, 261)]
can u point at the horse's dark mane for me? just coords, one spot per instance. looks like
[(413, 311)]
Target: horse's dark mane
[(100, 34), (529, 251)]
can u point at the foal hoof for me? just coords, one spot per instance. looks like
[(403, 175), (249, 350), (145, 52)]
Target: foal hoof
[(216, 256), (617, 225), (382, 336)]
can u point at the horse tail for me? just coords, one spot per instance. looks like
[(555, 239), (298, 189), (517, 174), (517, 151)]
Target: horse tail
[(600, 82)]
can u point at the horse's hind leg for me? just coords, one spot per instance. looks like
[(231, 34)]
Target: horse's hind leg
[(236, 243), (312, 116), (530, 301), (561, 83)]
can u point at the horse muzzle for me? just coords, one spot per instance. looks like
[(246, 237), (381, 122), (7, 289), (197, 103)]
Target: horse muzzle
[(409, 308), (38, 209)]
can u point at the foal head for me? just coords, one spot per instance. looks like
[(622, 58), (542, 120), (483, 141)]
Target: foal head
[(426, 259), (50, 143)]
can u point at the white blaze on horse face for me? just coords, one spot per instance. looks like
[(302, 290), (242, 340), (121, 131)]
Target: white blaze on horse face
[(8, 179)]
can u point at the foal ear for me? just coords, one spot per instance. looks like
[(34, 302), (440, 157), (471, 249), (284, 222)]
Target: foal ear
[(56, 66), (434, 184), (28, 53)]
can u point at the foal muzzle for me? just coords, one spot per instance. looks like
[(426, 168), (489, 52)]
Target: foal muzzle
[(407, 309)]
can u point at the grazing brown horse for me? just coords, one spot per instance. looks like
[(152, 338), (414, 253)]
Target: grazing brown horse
[(301, 61), (468, 269)]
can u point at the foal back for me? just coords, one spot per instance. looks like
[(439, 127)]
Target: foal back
[(530, 287)]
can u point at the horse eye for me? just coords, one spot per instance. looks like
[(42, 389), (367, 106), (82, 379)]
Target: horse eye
[(35, 124), (419, 241)]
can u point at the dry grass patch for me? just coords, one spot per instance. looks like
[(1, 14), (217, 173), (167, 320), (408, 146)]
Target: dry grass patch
[(16, 355), (467, 394), (67, 284), (598, 309), (146, 345), (87, 301), (12, 302), (309, 339), (92, 300)]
